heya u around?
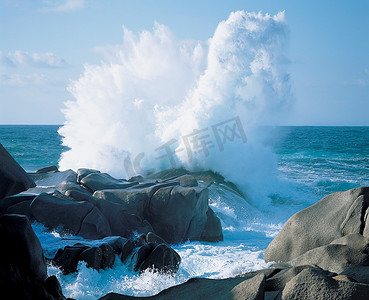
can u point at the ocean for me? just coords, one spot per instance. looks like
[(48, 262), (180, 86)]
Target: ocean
[(311, 162)]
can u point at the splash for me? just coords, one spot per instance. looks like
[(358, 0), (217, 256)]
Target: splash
[(156, 102)]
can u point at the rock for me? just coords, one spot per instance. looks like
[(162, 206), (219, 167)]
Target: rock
[(122, 223), (93, 257), (13, 179), (82, 173), (279, 280), (53, 287), (49, 169), (213, 228), (334, 216), (67, 259), (20, 248), (142, 253), (21, 208), (163, 259), (177, 213), (203, 288), (187, 181), (127, 250), (54, 211), (103, 181), (153, 238), (117, 243), (349, 250), (312, 283), (81, 195), (14, 200), (23, 273), (357, 273), (108, 256), (95, 226)]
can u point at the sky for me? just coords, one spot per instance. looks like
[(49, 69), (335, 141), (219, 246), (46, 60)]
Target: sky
[(44, 46)]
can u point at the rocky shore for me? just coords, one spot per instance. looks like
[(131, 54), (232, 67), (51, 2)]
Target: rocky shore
[(322, 252)]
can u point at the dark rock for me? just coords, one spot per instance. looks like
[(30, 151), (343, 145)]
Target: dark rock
[(312, 283), (153, 238), (103, 181), (53, 287), (54, 211), (117, 243), (20, 250), (13, 200), (127, 250), (49, 169), (142, 253), (93, 257), (140, 240), (122, 223), (21, 208), (81, 195), (13, 179), (162, 259), (108, 256), (357, 273), (334, 216), (349, 250), (67, 258), (23, 273), (213, 228), (95, 225)]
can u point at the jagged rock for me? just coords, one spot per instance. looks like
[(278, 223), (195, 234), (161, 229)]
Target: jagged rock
[(13, 179), (357, 273), (312, 283), (337, 256), (49, 169), (187, 181), (103, 181), (203, 288), (334, 216), (23, 273), (162, 258), (54, 211), (213, 228)]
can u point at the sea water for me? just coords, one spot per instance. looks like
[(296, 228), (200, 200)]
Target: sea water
[(311, 163)]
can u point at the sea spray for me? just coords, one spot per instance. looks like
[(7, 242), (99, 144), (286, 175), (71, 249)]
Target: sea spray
[(155, 102)]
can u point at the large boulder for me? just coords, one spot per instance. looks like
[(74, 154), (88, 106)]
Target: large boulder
[(337, 256), (55, 211), (23, 273), (103, 181), (312, 283), (13, 179), (334, 216)]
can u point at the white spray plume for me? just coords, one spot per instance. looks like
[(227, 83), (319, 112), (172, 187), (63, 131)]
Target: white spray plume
[(154, 91)]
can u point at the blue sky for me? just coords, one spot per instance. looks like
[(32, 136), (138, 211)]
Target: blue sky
[(45, 44)]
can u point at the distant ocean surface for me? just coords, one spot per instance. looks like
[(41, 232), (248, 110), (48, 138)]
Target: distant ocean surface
[(326, 159), (312, 163)]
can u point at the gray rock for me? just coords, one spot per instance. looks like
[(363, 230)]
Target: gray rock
[(203, 288), (338, 255), (54, 211), (49, 169), (82, 173), (13, 179), (334, 216), (358, 273), (213, 229), (103, 181), (313, 283), (187, 181)]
